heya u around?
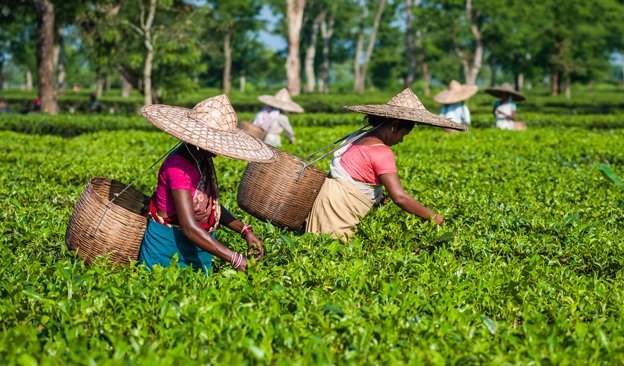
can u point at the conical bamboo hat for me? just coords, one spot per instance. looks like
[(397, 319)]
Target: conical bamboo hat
[(456, 93), (504, 91), (210, 125), (281, 100), (408, 107)]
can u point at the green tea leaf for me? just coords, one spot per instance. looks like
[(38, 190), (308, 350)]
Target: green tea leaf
[(489, 323), (608, 173), (446, 237)]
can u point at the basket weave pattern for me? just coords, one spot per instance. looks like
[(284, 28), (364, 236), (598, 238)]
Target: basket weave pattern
[(281, 100), (210, 125), (408, 107), (98, 227), (278, 193), (456, 93), (253, 130)]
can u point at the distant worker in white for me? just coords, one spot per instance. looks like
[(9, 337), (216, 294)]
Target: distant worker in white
[(274, 119), (453, 102), (505, 108)]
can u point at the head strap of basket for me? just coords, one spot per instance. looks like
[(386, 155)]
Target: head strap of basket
[(505, 91), (406, 106), (456, 93), (281, 100), (210, 125)]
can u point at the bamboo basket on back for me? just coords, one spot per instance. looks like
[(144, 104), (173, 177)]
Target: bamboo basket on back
[(281, 192), (109, 219), (252, 129)]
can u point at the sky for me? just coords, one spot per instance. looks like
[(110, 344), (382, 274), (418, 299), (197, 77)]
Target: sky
[(272, 41)]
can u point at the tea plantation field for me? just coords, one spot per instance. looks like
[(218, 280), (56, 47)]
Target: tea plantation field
[(527, 269)]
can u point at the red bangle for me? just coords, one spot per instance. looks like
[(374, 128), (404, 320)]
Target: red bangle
[(246, 229)]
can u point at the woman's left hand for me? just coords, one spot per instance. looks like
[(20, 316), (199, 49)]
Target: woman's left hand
[(252, 240)]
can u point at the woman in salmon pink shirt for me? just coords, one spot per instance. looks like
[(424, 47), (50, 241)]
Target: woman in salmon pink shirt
[(365, 165)]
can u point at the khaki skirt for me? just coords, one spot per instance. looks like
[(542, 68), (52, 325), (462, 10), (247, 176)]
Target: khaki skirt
[(338, 209)]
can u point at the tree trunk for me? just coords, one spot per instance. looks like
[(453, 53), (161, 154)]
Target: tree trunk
[(327, 30), (130, 77), (45, 56), (242, 81), (426, 78), (126, 86), (567, 87), (311, 54), (61, 76), (149, 57), (493, 73), (1, 72), (409, 45), (356, 57), (59, 62), (29, 83), (99, 82), (554, 82), (99, 85), (465, 69), (519, 82), (294, 12), (369, 50), (421, 59), (147, 72), (473, 70), (227, 68)]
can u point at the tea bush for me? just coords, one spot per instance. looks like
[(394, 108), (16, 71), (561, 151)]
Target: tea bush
[(526, 269)]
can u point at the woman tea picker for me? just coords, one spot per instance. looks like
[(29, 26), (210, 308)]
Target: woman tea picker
[(185, 210), (273, 118), (505, 108), (453, 102), (363, 166)]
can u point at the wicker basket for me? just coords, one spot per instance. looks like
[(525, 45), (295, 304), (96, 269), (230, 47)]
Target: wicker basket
[(98, 227), (282, 192), (251, 129)]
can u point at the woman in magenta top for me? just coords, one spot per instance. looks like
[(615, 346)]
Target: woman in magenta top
[(185, 210), (365, 165)]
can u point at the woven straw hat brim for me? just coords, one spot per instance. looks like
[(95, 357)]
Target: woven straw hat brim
[(234, 144), (501, 93), (272, 101), (448, 96), (408, 114)]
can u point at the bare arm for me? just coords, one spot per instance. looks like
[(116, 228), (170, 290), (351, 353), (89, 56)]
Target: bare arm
[(511, 116), (186, 216), (405, 201), (288, 130), (234, 224)]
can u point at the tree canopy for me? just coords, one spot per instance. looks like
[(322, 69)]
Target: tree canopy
[(193, 44)]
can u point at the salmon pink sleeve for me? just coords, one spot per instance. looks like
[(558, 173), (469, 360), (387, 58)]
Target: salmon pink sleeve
[(382, 160)]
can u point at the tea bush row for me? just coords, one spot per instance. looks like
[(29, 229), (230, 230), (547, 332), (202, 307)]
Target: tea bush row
[(69, 125)]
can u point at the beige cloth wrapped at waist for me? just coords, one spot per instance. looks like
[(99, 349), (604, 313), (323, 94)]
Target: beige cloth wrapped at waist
[(337, 209), (342, 201)]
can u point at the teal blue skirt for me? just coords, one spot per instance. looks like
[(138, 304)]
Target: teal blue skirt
[(161, 243)]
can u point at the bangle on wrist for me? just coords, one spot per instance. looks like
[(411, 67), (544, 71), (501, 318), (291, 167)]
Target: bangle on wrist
[(246, 229), (236, 259)]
